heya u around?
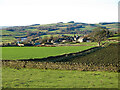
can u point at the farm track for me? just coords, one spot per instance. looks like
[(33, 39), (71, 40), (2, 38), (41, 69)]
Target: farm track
[(73, 61)]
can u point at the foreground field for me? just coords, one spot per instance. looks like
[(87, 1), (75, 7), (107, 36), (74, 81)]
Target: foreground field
[(16, 53), (37, 78)]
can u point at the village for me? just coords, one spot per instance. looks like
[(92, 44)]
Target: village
[(51, 41)]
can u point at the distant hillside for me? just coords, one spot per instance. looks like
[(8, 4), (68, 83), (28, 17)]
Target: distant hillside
[(37, 30), (1, 27)]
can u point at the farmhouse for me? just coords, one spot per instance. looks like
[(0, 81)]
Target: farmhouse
[(20, 44), (82, 39), (50, 40)]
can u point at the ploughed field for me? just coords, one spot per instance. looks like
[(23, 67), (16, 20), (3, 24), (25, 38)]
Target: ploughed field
[(39, 78), (106, 56), (18, 53)]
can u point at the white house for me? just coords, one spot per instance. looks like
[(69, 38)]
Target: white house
[(20, 44), (81, 39)]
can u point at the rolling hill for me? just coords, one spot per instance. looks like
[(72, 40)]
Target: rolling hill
[(36, 30)]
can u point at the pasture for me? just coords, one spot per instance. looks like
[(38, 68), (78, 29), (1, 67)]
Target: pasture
[(38, 78), (16, 53)]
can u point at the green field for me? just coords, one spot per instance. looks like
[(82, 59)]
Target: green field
[(37, 78), (15, 53), (114, 38)]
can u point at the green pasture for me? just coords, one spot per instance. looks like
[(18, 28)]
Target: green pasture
[(73, 34), (31, 30), (16, 53), (55, 31), (37, 78), (55, 35), (88, 43), (7, 39), (115, 38)]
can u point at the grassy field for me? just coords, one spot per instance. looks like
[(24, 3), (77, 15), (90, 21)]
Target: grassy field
[(13, 53), (114, 38), (37, 78)]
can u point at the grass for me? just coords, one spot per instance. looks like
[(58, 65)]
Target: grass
[(88, 43), (55, 31), (114, 38), (31, 30), (55, 35), (37, 78), (7, 39), (16, 53), (73, 34), (82, 43)]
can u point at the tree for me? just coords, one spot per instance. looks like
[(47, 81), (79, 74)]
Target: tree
[(19, 39), (44, 40), (51, 37), (99, 34)]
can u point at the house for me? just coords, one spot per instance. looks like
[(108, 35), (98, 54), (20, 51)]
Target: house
[(50, 40), (63, 40), (81, 39), (20, 44)]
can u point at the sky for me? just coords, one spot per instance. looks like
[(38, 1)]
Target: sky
[(27, 12)]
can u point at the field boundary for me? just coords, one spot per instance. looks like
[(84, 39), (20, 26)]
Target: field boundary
[(59, 66)]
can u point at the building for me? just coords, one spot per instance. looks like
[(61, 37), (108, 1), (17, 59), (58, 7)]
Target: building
[(81, 39)]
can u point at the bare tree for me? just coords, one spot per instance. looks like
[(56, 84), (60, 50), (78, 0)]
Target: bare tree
[(99, 34)]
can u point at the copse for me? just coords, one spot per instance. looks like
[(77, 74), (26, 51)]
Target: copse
[(99, 34)]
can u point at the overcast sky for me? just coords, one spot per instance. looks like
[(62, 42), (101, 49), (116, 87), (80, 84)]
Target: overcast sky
[(27, 12)]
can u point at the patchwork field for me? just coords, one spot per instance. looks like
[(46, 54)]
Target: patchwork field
[(36, 78), (16, 53)]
